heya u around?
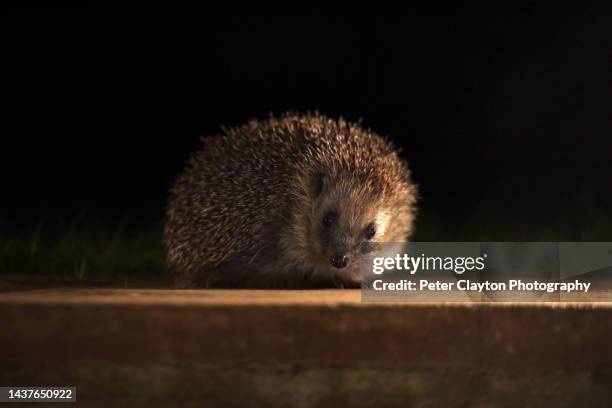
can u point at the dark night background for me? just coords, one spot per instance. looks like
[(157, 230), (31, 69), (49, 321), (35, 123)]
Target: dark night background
[(505, 121)]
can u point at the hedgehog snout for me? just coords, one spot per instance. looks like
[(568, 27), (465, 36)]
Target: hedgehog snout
[(339, 260)]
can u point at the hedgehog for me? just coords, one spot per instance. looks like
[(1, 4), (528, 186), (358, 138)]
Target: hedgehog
[(293, 201)]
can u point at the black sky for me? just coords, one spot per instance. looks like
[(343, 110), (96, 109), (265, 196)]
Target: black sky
[(508, 115)]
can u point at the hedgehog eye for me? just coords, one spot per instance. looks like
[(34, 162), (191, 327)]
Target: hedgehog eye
[(369, 232), (329, 218)]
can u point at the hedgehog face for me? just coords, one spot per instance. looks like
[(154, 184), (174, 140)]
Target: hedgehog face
[(347, 224)]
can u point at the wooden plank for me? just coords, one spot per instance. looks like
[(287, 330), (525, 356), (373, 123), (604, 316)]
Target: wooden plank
[(130, 346)]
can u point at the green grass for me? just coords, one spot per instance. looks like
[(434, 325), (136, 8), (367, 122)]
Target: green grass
[(85, 251), (82, 250)]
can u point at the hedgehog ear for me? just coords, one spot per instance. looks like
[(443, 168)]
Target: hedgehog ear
[(318, 184)]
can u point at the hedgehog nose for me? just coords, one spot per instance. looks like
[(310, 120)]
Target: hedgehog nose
[(339, 261)]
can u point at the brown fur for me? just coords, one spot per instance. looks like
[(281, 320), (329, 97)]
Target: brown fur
[(245, 211)]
